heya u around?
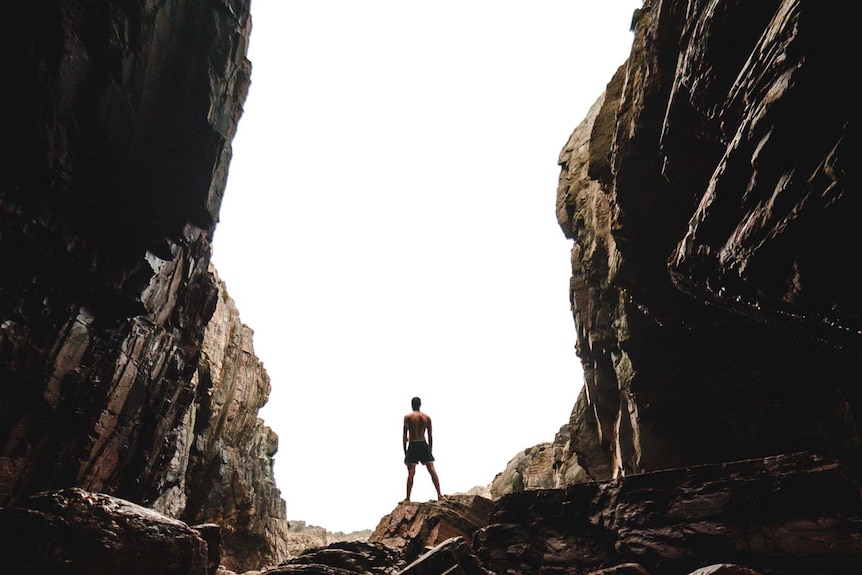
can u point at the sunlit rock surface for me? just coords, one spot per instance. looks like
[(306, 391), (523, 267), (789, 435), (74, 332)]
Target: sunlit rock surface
[(229, 477), (301, 537), (411, 528)]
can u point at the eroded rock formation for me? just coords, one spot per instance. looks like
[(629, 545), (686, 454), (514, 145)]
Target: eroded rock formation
[(791, 514), (301, 537), (224, 473), (710, 194), (413, 528), (716, 317), (75, 531), (120, 127)]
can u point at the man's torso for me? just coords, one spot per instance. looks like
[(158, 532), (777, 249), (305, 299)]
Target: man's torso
[(417, 423)]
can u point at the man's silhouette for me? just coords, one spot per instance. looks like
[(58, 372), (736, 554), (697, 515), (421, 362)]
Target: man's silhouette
[(416, 448)]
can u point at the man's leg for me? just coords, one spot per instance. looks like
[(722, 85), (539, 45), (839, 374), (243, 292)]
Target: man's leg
[(411, 471), (434, 478)]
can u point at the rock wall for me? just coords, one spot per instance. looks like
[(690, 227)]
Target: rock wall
[(119, 128), (711, 197), (793, 514), (222, 472)]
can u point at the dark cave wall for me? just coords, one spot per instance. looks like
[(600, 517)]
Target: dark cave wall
[(711, 222), (121, 115), (125, 367)]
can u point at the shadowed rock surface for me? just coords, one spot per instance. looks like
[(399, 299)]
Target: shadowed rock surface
[(795, 513), (73, 531), (711, 196), (716, 319), (342, 558), (114, 378)]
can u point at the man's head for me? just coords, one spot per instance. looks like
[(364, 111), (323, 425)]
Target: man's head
[(416, 402)]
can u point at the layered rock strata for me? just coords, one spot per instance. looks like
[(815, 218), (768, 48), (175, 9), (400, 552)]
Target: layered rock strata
[(91, 533), (121, 121), (708, 195), (794, 514), (413, 528), (223, 471), (301, 537)]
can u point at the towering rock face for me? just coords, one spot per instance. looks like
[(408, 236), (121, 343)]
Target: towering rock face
[(711, 196), (119, 127), (222, 472)]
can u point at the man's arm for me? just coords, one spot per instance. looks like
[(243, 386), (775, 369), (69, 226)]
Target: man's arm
[(430, 437), (404, 435)]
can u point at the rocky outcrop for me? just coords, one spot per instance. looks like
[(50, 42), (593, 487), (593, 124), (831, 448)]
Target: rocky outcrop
[(342, 558), (97, 533), (108, 199), (794, 514), (301, 537), (707, 195), (413, 528), (415, 538), (114, 378), (546, 465), (716, 317), (532, 468), (224, 472), (453, 556)]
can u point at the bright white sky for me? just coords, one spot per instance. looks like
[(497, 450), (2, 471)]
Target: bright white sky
[(388, 230)]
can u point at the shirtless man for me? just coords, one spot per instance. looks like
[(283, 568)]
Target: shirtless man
[(416, 449)]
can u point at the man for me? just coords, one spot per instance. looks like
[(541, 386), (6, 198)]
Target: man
[(416, 448)]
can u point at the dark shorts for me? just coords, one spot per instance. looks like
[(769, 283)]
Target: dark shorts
[(418, 452)]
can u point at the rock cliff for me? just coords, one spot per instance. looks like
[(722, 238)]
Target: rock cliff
[(711, 198), (124, 366), (224, 471)]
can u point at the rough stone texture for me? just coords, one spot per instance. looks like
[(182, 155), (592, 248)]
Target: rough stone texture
[(635, 569), (301, 537), (342, 558), (92, 533), (121, 119), (795, 514), (551, 464), (708, 194), (225, 474), (532, 468), (716, 318), (411, 528), (123, 116), (453, 557)]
